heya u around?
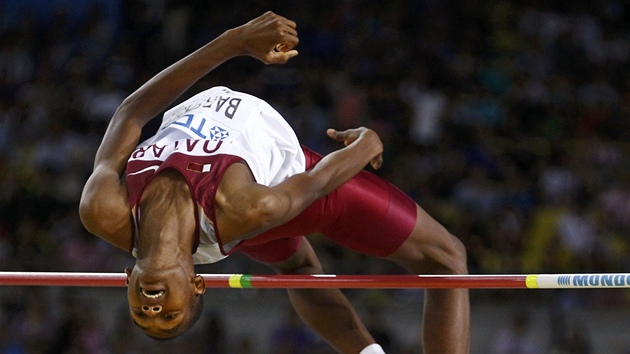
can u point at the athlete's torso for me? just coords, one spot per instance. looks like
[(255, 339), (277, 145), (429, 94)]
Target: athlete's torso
[(201, 138)]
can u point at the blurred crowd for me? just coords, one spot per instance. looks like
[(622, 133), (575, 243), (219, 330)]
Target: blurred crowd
[(508, 121)]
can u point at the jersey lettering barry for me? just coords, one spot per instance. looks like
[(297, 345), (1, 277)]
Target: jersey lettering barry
[(201, 138)]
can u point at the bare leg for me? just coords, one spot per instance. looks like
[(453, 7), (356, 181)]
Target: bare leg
[(327, 311), (431, 249)]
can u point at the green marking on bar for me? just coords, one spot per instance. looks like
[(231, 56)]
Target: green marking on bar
[(246, 281)]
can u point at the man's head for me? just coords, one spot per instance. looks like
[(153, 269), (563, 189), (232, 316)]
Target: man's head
[(164, 304)]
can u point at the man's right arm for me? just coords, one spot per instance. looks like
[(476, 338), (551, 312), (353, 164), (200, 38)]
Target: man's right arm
[(104, 208)]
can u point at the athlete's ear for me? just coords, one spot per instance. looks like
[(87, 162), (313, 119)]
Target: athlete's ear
[(128, 272), (199, 284)]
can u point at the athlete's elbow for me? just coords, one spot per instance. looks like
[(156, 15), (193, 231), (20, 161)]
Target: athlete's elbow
[(268, 212), (87, 214), (93, 218)]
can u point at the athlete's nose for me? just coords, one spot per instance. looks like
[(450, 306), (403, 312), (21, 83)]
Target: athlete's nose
[(151, 310)]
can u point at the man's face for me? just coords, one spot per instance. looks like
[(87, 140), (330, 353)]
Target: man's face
[(160, 302)]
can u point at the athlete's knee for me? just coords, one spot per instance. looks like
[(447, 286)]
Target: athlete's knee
[(443, 255), (449, 257), (459, 257)]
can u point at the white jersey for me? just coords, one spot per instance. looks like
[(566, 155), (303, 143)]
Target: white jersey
[(247, 126), (208, 127)]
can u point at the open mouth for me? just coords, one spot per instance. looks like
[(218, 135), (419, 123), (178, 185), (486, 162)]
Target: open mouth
[(152, 294)]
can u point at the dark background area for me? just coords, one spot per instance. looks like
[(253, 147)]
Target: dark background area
[(506, 120)]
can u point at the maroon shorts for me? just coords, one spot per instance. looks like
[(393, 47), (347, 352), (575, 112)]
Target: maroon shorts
[(367, 214)]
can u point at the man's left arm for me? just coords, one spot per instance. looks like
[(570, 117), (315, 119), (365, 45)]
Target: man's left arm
[(247, 208)]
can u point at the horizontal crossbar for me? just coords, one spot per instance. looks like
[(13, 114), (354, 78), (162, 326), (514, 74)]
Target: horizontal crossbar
[(495, 281)]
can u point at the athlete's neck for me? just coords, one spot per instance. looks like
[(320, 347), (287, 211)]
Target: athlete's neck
[(167, 221)]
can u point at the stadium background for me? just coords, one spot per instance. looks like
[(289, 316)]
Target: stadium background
[(506, 120)]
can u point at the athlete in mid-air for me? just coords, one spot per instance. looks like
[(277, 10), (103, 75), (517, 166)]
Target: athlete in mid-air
[(225, 173)]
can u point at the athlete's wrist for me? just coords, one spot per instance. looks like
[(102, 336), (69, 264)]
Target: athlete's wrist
[(233, 42)]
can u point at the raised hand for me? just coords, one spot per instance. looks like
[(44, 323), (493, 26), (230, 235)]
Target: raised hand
[(349, 136), (270, 38)]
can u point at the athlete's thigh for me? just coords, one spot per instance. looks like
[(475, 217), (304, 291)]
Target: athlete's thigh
[(271, 251), (298, 256), (369, 215)]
